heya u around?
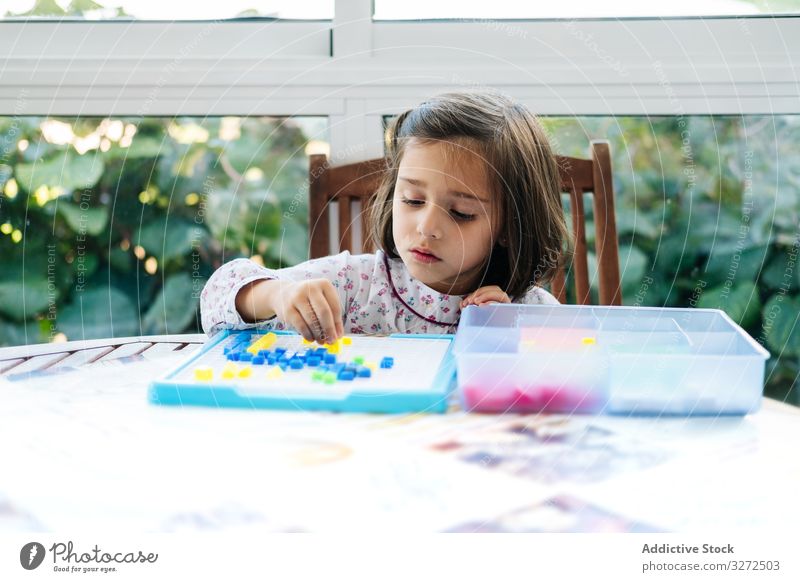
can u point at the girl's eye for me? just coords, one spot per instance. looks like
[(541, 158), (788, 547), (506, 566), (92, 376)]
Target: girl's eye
[(411, 202), (461, 216), (456, 214)]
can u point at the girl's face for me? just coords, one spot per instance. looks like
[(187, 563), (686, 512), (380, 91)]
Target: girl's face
[(444, 216)]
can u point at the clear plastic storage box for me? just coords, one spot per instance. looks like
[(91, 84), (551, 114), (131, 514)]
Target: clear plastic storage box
[(619, 360)]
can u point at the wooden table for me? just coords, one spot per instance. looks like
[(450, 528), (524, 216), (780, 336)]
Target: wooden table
[(83, 449), (39, 357)]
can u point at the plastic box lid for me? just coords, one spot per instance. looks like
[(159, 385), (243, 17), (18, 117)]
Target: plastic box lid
[(617, 360)]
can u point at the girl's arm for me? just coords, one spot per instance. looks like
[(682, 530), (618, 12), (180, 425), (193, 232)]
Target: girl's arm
[(217, 300), (242, 294), (312, 307), (493, 294), (254, 300)]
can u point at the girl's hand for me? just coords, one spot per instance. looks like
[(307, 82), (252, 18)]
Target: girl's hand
[(312, 307), (485, 295)]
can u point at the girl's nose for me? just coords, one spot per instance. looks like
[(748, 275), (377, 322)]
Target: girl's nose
[(429, 223)]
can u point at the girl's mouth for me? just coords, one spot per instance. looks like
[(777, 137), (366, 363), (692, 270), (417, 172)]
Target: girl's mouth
[(424, 256)]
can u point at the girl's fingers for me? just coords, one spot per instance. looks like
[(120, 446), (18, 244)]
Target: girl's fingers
[(491, 295), (335, 308), (485, 295), (323, 315), (316, 313), (307, 311), (488, 301), (298, 321), (481, 296)]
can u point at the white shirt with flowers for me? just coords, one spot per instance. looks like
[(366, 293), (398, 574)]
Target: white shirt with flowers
[(369, 304)]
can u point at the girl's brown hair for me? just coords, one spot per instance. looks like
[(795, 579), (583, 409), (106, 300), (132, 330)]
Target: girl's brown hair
[(520, 163)]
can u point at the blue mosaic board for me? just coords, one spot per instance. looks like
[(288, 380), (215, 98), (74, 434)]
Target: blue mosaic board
[(398, 373)]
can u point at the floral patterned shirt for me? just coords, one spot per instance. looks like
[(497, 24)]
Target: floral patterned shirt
[(364, 285)]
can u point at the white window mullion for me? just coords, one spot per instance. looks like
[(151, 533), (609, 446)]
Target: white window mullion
[(352, 28), (355, 135)]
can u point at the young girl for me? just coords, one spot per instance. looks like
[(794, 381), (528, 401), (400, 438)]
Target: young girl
[(469, 213)]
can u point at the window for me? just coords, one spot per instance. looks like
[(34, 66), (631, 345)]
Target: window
[(160, 10), (512, 9), (137, 212)]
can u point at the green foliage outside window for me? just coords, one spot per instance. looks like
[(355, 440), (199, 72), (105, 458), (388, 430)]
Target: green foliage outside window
[(110, 227), (708, 215)]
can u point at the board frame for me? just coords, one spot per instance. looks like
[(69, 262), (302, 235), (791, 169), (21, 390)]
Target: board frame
[(167, 391)]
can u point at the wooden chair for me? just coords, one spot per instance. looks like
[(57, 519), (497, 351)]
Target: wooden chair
[(578, 177), (351, 187)]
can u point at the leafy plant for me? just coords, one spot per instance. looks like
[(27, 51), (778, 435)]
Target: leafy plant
[(708, 216), (110, 227)]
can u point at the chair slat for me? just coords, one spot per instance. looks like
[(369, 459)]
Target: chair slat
[(580, 264), (606, 243), (345, 226), (318, 226)]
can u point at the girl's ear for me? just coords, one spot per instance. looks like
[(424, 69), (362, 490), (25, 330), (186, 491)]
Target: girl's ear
[(503, 242)]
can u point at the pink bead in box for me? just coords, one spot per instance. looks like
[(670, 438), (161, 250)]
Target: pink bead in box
[(508, 362)]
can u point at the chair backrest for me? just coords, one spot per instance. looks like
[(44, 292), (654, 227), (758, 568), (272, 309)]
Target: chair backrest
[(350, 188), (578, 177)]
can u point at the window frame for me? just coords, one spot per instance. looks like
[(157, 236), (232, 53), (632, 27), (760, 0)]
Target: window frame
[(355, 70)]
